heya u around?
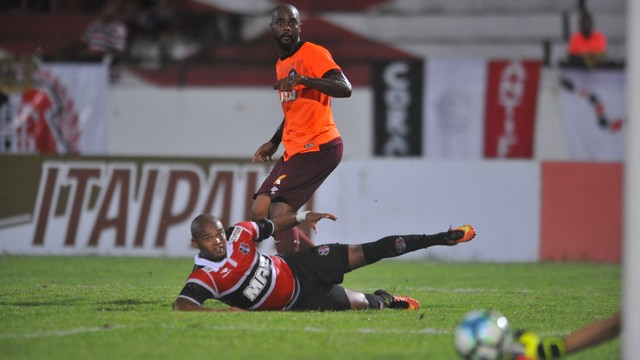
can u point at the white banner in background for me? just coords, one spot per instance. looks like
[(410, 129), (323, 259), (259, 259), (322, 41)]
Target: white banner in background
[(499, 198), (63, 112), (592, 106), (454, 108), (138, 207)]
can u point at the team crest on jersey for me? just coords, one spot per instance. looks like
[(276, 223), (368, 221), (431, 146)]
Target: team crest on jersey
[(400, 245), (323, 250), (235, 234), (292, 72), (244, 248)]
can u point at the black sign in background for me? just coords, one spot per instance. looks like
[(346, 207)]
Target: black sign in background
[(397, 105)]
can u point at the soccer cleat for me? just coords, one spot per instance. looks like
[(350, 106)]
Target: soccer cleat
[(460, 234), (398, 302)]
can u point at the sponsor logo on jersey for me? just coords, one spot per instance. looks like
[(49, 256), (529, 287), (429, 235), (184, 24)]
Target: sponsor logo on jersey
[(259, 280), (323, 250), (244, 248), (400, 245), (235, 234), (287, 96)]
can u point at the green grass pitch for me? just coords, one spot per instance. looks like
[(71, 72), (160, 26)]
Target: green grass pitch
[(120, 308)]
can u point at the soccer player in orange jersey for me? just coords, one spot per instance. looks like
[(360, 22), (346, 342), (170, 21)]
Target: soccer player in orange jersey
[(307, 78)]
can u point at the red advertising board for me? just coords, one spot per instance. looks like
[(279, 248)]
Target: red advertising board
[(510, 110), (581, 211)]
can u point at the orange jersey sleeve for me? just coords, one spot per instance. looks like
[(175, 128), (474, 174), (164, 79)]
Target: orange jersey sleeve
[(308, 118)]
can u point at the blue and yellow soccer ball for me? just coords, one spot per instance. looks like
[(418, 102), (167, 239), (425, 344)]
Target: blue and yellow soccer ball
[(483, 335)]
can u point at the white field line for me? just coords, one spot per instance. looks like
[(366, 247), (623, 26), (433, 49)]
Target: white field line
[(325, 330), (439, 290), (85, 330), (61, 333)]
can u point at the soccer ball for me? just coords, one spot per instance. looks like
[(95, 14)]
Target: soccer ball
[(483, 335)]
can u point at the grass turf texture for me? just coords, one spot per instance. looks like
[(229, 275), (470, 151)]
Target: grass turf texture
[(120, 308)]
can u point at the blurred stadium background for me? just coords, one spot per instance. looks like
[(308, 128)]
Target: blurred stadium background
[(462, 111)]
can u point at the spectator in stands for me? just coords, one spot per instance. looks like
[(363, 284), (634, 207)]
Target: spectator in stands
[(149, 18), (151, 23), (106, 38), (587, 47)]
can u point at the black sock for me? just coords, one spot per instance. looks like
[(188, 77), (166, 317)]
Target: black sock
[(375, 301), (392, 246)]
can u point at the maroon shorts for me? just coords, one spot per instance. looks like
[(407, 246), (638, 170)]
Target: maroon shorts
[(294, 181)]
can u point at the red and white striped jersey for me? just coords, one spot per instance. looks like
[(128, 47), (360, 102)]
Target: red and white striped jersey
[(245, 278), (105, 37)]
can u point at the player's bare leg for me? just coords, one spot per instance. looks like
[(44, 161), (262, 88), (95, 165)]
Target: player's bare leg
[(260, 208), (291, 240), (288, 240)]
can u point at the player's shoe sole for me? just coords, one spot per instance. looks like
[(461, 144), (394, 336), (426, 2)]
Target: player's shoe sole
[(460, 234)]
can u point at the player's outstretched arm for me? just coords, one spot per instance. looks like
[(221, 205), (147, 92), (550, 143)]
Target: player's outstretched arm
[(186, 305), (596, 333), (538, 348), (288, 221)]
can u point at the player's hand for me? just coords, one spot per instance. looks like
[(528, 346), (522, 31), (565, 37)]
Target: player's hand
[(313, 217), (537, 348), (287, 83), (265, 152)]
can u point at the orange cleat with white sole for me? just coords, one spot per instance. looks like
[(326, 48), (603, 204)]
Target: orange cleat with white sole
[(460, 234)]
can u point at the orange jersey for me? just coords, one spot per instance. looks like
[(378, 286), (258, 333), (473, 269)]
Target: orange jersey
[(595, 44), (308, 119)]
